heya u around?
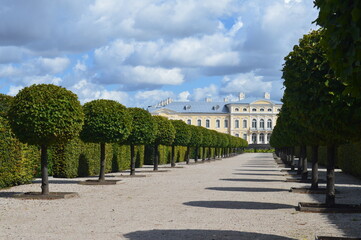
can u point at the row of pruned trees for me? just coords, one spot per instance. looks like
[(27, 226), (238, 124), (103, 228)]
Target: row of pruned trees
[(46, 114), (320, 107)]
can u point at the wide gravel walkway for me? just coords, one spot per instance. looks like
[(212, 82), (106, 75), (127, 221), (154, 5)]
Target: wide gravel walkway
[(243, 197)]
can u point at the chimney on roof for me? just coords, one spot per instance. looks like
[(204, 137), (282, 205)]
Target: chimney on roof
[(225, 99), (267, 95), (208, 99), (242, 96)]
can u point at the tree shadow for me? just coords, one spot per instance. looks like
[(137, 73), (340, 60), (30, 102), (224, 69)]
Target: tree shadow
[(259, 166), (9, 194), (58, 181), (258, 170), (250, 180), (257, 174), (199, 234), (244, 189), (238, 205)]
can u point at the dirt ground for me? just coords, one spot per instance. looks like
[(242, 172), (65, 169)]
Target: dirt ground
[(243, 197)]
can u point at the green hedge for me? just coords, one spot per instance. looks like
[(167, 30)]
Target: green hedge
[(165, 154), (349, 158), (77, 158), (17, 161)]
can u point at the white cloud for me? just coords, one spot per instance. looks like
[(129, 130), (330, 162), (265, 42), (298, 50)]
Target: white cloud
[(13, 90), (202, 93), (183, 96), (88, 91), (248, 83), (51, 65), (148, 98)]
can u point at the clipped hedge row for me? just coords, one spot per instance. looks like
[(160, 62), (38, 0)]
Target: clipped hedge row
[(165, 154), (79, 159), (18, 162)]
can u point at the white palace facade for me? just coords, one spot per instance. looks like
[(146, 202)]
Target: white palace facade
[(249, 118)]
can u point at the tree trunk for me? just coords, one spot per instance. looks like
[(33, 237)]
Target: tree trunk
[(196, 154), (299, 164), (132, 160), (204, 154), (102, 162), (331, 159), (304, 162), (172, 162), (314, 184), (187, 156), (292, 158), (44, 170), (156, 157)]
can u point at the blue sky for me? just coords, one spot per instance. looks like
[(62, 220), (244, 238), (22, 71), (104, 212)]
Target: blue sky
[(141, 52)]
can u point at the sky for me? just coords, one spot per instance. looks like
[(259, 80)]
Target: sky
[(141, 52)]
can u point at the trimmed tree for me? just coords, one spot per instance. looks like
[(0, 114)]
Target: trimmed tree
[(43, 115), (164, 136), (182, 136), (143, 132), (106, 121), (342, 40), (315, 87), (195, 141)]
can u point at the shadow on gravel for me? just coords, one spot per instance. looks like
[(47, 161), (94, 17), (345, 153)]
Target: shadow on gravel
[(58, 181), (258, 174), (244, 189), (250, 180), (258, 170), (238, 205), (259, 166), (8, 194), (198, 234)]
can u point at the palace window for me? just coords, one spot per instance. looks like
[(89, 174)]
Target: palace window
[(189, 121), (236, 109), (208, 123), (218, 123), (236, 124), (261, 124), (245, 136), (244, 123), (270, 109), (269, 124), (261, 110), (254, 110), (261, 138), (254, 138), (268, 137), (244, 109), (199, 122), (237, 135), (254, 123), (226, 123)]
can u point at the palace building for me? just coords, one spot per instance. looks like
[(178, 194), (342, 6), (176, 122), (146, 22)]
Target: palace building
[(249, 118)]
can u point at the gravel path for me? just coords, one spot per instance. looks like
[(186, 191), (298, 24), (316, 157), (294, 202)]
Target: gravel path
[(243, 197)]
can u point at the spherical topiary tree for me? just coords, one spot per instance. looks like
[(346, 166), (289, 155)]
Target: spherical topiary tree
[(182, 136), (45, 114), (106, 121), (164, 136), (143, 132)]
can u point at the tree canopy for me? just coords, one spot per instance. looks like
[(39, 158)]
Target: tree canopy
[(45, 114), (342, 39), (183, 133), (165, 131), (143, 128), (106, 121)]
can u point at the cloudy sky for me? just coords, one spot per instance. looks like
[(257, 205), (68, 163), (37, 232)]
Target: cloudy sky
[(140, 52)]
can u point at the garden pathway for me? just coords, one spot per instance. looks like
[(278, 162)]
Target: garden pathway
[(243, 197)]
